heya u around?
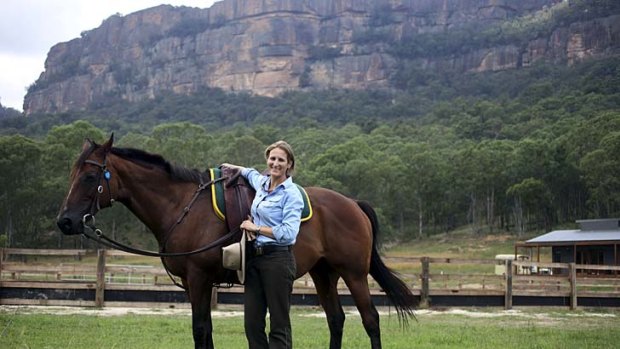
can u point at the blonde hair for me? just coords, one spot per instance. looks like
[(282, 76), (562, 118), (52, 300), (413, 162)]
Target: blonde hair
[(289, 154)]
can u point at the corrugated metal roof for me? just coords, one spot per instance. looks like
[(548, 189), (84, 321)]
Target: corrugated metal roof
[(576, 236)]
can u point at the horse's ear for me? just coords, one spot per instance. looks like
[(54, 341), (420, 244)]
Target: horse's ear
[(108, 145), (87, 144)]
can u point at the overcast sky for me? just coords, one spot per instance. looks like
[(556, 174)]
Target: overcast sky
[(29, 28)]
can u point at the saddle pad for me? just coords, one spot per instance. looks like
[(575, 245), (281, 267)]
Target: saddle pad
[(217, 197), (306, 213), (217, 194)]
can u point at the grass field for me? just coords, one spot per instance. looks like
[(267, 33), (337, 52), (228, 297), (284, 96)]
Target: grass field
[(460, 243), (44, 327), (524, 328)]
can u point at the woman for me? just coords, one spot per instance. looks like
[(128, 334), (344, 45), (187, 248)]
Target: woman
[(270, 267)]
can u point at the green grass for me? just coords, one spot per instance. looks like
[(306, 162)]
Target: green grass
[(492, 328), (461, 243)]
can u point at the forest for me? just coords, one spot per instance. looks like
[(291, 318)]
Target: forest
[(512, 151)]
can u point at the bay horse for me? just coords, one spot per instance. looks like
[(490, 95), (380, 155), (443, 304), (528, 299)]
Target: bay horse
[(340, 241)]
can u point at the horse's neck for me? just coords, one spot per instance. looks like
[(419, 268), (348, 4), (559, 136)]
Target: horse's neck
[(152, 197)]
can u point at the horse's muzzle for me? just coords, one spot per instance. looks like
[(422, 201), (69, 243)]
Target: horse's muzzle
[(70, 226)]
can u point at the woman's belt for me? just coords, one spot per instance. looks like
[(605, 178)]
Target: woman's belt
[(266, 249)]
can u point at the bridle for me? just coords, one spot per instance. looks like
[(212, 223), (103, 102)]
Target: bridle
[(88, 220), (95, 206)]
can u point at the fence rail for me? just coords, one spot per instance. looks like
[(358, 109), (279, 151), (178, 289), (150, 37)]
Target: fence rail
[(98, 278)]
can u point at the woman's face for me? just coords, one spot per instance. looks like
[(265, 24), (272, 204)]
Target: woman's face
[(278, 163)]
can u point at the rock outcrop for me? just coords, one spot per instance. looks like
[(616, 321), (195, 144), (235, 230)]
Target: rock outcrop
[(271, 46)]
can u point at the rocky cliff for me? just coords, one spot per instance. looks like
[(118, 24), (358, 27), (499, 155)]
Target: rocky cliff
[(271, 46)]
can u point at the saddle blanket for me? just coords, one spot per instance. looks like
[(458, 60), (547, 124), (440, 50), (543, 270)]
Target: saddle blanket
[(217, 197)]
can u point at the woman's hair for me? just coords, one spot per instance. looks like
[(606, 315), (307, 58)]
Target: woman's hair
[(289, 154)]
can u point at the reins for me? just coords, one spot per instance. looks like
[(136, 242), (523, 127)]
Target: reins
[(95, 234), (89, 222), (99, 237)]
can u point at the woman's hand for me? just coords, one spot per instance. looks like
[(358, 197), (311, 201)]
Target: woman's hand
[(250, 228), (249, 225), (232, 166)]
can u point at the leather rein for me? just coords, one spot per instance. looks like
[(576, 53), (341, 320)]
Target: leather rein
[(89, 221)]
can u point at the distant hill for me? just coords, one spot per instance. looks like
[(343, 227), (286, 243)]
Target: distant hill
[(267, 48)]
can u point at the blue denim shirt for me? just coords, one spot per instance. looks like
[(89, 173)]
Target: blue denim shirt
[(280, 209)]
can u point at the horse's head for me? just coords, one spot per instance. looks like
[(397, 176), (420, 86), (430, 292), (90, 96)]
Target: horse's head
[(89, 189)]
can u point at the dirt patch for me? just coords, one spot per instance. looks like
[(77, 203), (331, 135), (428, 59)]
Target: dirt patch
[(237, 311), (111, 311)]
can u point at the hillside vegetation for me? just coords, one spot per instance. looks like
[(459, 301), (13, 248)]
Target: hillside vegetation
[(517, 151)]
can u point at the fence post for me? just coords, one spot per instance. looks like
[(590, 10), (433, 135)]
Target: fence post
[(424, 292), (508, 293), (100, 286), (213, 298), (572, 276), (1, 261)]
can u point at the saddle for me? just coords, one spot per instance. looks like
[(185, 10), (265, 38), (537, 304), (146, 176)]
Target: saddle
[(233, 206), (238, 196)]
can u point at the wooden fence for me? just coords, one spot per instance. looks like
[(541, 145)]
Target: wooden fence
[(96, 278)]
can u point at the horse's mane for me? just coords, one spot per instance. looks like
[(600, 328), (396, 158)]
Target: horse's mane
[(144, 158)]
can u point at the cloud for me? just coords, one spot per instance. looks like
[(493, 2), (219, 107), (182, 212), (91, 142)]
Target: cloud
[(17, 72)]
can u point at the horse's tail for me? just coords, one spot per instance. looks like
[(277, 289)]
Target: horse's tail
[(396, 290)]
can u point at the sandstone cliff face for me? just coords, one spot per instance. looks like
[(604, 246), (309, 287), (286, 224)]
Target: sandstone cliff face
[(270, 46)]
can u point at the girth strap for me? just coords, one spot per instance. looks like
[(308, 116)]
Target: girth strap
[(238, 196)]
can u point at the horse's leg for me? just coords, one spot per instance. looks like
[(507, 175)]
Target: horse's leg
[(370, 317), (202, 327), (326, 281)]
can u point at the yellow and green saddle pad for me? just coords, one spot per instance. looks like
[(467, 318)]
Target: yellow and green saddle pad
[(217, 197)]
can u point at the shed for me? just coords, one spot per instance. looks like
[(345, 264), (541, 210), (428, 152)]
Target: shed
[(597, 242)]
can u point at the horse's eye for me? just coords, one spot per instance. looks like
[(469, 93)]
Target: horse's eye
[(89, 179)]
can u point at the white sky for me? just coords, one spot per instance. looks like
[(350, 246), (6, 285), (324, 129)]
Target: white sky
[(29, 28)]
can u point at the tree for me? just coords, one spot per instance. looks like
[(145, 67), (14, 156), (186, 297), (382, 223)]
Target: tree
[(601, 169), (21, 174), (535, 159), (531, 197), (484, 174), (183, 143), (424, 182), (244, 150), (330, 168)]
